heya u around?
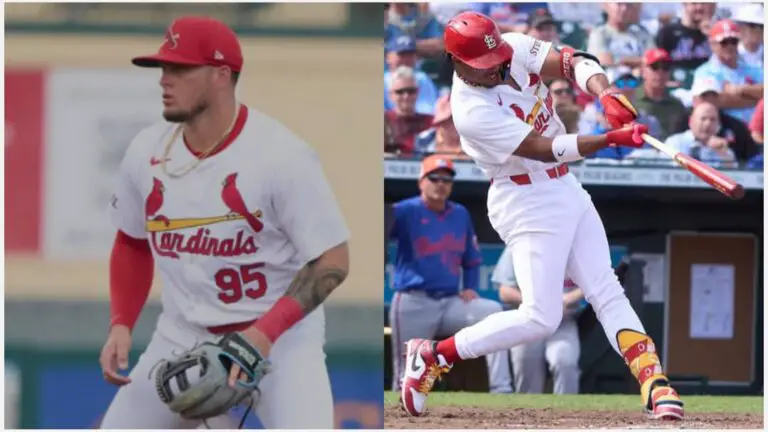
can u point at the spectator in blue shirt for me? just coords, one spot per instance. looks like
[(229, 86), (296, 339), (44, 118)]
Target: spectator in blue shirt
[(406, 19), (750, 18), (696, 142), (437, 271), (401, 51), (742, 83)]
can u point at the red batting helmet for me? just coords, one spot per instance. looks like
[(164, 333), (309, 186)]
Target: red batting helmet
[(475, 39)]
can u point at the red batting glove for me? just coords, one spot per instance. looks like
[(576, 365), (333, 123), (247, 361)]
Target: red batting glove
[(628, 136), (618, 110)]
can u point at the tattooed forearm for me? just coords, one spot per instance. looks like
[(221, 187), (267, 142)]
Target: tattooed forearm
[(314, 283)]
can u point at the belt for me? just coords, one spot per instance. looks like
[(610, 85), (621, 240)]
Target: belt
[(525, 179), (231, 328), (433, 294)]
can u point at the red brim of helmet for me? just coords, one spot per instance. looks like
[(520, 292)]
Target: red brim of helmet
[(500, 55)]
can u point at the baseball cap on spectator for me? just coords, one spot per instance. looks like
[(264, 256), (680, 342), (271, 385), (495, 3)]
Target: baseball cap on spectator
[(539, 18), (402, 43), (655, 55), (724, 29), (616, 73), (436, 162), (750, 14), (706, 85), (442, 110), (197, 41)]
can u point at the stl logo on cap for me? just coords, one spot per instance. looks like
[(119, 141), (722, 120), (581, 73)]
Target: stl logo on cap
[(171, 38), (441, 163), (490, 42)]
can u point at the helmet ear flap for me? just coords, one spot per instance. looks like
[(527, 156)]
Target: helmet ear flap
[(447, 60), (447, 69)]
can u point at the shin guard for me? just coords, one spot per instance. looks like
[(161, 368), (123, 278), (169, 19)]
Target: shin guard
[(639, 354)]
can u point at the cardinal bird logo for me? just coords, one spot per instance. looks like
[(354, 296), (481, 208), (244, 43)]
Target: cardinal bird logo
[(155, 201), (234, 202), (171, 38), (518, 111)]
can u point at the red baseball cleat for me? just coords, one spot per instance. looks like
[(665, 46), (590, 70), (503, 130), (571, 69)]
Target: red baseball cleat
[(423, 365), (665, 404)]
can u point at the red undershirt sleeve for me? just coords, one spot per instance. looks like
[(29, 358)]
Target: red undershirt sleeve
[(131, 270)]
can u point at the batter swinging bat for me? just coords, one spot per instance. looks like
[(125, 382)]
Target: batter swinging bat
[(715, 178)]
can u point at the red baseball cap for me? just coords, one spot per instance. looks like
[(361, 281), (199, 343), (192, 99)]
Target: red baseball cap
[(436, 162), (197, 41), (654, 55), (724, 29)]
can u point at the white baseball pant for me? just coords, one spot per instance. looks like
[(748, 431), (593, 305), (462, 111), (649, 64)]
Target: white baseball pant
[(553, 229)]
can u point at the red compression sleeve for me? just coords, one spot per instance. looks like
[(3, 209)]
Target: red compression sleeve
[(283, 315), (131, 269)]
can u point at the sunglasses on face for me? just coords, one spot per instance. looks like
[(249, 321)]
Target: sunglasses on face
[(440, 178), (729, 41), (661, 66), (627, 83), (406, 91)]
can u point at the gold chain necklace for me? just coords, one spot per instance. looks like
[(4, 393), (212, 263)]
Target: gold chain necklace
[(198, 159)]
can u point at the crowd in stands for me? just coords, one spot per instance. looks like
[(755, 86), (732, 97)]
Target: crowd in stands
[(694, 71)]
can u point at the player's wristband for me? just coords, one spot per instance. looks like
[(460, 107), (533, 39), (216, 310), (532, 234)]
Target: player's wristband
[(565, 148), (283, 315)]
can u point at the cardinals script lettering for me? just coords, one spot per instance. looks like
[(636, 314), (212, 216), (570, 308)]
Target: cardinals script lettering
[(174, 240)]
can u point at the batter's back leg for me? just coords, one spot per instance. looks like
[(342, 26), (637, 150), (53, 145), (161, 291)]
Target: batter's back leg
[(589, 266)]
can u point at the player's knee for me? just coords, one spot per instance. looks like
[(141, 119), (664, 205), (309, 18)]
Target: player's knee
[(543, 325)]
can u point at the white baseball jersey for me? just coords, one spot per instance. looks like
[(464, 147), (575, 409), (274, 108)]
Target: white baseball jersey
[(492, 122), (229, 236)]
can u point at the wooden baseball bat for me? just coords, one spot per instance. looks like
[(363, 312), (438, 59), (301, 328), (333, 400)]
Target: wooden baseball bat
[(726, 185)]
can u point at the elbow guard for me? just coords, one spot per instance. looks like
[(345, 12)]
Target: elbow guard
[(586, 69)]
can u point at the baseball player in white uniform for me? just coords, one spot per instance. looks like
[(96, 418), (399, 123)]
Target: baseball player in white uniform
[(237, 215), (503, 113)]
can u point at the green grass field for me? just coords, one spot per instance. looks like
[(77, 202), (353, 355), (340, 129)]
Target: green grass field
[(693, 404)]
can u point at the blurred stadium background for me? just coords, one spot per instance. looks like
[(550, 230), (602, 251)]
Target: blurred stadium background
[(660, 219), (73, 102)]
